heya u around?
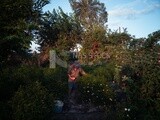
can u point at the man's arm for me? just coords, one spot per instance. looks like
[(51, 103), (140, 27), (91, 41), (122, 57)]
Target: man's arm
[(83, 72)]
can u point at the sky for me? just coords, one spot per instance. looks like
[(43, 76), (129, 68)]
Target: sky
[(140, 17)]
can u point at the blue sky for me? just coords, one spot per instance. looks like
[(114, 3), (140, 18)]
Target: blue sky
[(140, 17)]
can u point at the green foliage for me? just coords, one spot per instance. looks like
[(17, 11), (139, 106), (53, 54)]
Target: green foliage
[(152, 40), (150, 87), (56, 82), (95, 88), (89, 12), (95, 35), (5, 111), (26, 75), (32, 102), (31, 91), (126, 70), (66, 30), (16, 82), (16, 34), (119, 38), (92, 16), (142, 85)]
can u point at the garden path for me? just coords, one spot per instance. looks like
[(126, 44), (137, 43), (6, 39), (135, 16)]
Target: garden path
[(74, 110)]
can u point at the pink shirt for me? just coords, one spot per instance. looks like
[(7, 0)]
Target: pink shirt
[(74, 73)]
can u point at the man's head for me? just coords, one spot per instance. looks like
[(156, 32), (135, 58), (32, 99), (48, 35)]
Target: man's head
[(77, 64)]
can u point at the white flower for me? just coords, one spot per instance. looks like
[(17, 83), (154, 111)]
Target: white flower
[(129, 109), (125, 109), (110, 99), (88, 91), (124, 78)]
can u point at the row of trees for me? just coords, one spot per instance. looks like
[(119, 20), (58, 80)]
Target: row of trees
[(23, 22)]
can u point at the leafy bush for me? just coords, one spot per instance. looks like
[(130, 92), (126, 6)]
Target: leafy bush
[(18, 79), (32, 102), (142, 88), (26, 75), (95, 88), (5, 111), (6, 85), (150, 95), (56, 81), (28, 84)]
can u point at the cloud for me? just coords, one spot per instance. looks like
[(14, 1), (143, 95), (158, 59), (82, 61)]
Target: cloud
[(114, 24), (133, 9), (122, 12), (149, 9)]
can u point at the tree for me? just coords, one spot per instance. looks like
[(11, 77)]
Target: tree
[(93, 18), (18, 19), (153, 39), (136, 44), (145, 60), (89, 12), (59, 30)]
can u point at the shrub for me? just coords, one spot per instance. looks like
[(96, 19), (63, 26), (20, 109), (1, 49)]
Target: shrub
[(95, 88), (6, 85), (25, 75), (55, 80), (32, 102), (5, 111)]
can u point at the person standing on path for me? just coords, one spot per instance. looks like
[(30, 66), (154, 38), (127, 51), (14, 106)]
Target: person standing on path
[(74, 71)]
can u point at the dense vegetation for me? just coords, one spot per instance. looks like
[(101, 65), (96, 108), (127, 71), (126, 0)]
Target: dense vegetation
[(126, 81)]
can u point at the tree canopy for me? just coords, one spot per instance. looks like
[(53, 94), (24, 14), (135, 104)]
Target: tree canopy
[(89, 12), (59, 30), (18, 19)]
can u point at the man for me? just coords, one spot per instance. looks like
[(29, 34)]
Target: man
[(74, 72)]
